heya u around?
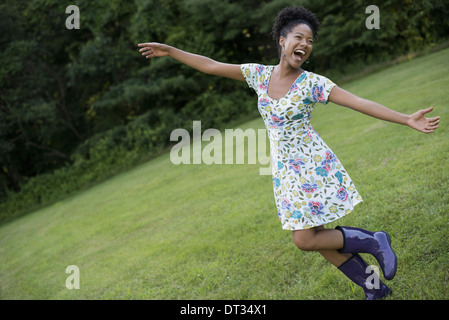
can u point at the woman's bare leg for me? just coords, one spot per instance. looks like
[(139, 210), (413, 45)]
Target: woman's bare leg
[(335, 257), (325, 241), (318, 238)]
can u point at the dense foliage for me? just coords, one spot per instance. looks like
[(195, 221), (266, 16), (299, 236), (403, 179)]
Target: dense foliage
[(79, 104)]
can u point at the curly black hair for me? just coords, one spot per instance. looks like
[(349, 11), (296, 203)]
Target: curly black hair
[(290, 17)]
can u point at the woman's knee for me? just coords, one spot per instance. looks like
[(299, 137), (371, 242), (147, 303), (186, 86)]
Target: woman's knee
[(304, 239)]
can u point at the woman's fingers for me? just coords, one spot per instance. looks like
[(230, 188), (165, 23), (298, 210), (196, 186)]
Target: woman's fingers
[(146, 49), (153, 49), (436, 120), (146, 44), (432, 124)]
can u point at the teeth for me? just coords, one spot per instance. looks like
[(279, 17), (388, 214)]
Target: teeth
[(300, 51)]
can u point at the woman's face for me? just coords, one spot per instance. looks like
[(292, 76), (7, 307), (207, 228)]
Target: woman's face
[(297, 46)]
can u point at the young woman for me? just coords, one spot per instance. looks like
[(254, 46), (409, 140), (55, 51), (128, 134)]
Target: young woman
[(311, 187)]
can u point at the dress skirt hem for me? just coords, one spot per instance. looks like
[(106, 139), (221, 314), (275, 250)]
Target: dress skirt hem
[(291, 225)]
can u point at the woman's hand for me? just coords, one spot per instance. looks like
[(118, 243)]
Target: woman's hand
[(419, 122), (153, 49)]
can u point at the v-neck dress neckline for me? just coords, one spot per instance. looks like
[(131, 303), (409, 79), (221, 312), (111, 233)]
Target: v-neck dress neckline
[(269, 75)]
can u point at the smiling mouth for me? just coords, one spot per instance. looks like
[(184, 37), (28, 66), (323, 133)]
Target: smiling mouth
[(299, 54)]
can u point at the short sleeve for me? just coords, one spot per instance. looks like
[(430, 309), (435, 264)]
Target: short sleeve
[(251, 73), (321, 89)]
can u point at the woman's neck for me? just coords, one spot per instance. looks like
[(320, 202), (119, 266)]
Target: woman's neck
[(283, 69)]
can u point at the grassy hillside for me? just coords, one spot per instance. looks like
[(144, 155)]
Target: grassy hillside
[(165, 231)]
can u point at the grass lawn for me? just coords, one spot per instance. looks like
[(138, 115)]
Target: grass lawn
[(165, 231)]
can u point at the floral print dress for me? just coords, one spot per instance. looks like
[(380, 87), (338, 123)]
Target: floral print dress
[(311, 186)]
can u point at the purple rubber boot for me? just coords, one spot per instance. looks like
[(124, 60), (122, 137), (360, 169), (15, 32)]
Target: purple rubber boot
[(355, 268), (376, 243)]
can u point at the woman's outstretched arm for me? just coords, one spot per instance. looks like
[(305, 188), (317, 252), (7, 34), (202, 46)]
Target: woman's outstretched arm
[(198, 62), (417, 121)]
